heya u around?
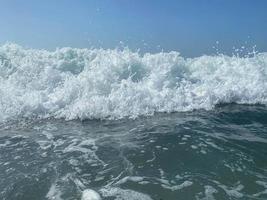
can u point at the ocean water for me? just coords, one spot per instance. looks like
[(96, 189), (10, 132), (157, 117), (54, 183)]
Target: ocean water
[(92, 124)]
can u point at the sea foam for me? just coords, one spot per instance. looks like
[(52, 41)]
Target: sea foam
[(73, 83)]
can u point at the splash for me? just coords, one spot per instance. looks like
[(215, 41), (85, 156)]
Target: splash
[(111, 84)]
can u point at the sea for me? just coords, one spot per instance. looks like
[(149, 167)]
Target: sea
[(117, 124)]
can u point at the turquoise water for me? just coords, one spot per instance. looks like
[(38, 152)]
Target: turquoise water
[(217, 154)]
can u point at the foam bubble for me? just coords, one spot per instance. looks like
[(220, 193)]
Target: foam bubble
[(95, 83), (89, 194)]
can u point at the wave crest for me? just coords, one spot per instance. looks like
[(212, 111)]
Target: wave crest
[(96, 83)]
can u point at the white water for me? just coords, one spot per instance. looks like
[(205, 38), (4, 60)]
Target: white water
[(90, 195), (95, 83)]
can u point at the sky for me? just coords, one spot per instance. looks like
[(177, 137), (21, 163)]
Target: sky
[(192, 27)]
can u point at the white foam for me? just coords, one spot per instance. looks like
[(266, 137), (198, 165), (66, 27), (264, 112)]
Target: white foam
[(54, 193), (209, 192), (123, 194), (95, 83), (130, 178), (235, 191), (89, 194), (178, 187)]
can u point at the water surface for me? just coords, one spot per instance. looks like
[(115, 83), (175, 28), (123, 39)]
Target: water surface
[(218, 154)]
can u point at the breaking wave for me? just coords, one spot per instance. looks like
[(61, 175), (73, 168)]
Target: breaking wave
[(111, 84)]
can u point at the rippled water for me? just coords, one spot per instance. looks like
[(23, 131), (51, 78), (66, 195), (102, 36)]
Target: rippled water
[(96, 124), (217, 154)]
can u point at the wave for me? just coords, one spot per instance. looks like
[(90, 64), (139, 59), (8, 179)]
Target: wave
[(74, 83)]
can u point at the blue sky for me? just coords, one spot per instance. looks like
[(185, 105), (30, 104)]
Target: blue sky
[(189, 26)]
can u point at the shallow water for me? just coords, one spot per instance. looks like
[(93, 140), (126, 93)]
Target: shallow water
[(96, 124), (217, 154)]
